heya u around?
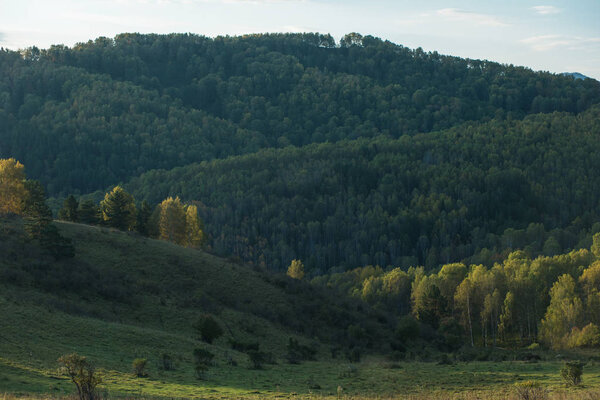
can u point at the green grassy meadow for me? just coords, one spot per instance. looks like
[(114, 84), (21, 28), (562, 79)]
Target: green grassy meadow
[(156, 291)]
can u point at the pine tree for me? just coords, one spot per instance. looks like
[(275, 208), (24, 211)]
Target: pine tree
[(68, 212), (118, 209), (88, 212), (143, 218), (37, 214)]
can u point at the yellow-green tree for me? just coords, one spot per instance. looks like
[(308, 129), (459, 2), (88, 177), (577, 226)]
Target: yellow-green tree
[(118, 209), (194, 236), (429, 306), (596, 245), (464, 300), (564, 312), (296, 269), (12, 188), (590, 281), (172, 221)]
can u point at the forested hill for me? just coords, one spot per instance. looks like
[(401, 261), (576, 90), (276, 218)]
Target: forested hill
[(87, 117), (476, 192)]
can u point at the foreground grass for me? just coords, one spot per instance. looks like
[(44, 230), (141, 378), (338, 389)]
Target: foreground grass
[(158, 289), (369, 379)]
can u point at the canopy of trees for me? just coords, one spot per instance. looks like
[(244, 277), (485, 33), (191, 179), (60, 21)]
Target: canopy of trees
[(516, 302), (87, 117), (475, 192)]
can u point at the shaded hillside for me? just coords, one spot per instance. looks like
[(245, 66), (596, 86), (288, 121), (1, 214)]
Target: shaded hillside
[(86, 117), (477, 189), (134, 281)]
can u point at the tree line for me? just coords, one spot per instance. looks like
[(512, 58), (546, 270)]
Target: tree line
[(169, 220), (83, 118), (27, 199), (518, 302)]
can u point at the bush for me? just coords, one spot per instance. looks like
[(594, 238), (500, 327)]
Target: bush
[(208, 328), (530, 390), (528, 357), (445, 360), (139, 367), (257, 358), (408, 329), (202, 360), (353, 355), (571, 373), (349, 372), (243, 347), (166, 362), (82, 374), (297, 352)]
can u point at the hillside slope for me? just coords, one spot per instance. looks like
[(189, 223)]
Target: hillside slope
[(426, 199), (105, 111), (124, 296)]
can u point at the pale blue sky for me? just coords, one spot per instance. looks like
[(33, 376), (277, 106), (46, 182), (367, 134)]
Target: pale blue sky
[(550, 35)]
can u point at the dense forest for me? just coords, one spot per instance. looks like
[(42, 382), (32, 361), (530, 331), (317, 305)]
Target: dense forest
[(476, 192), (293, 146), (87, 117), (519, 301)]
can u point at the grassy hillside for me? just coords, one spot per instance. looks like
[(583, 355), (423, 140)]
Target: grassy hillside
[(125, 296)]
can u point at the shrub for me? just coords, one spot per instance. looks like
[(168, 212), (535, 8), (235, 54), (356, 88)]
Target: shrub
[(530, 357), (257, 358), (82, 374), (349, 372), (408, 329), (571, 373), (139, 367), (445, 360), (208, 328), (229, 359), (353, 355), (166, 362), (530, 390), (243, 347), (202, 360), (297, 352)]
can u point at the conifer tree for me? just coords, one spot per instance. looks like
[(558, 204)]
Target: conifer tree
[(88, 212), (143, 218), (118, 209), (68, 212), (37, 214)]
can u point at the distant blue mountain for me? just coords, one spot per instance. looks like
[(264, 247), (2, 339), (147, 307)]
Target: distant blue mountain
[(576, 75)]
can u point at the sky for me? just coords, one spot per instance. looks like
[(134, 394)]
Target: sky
[(549, 35)]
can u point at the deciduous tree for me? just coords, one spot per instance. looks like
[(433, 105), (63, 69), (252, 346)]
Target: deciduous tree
[(12, 187), (296, 270)]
